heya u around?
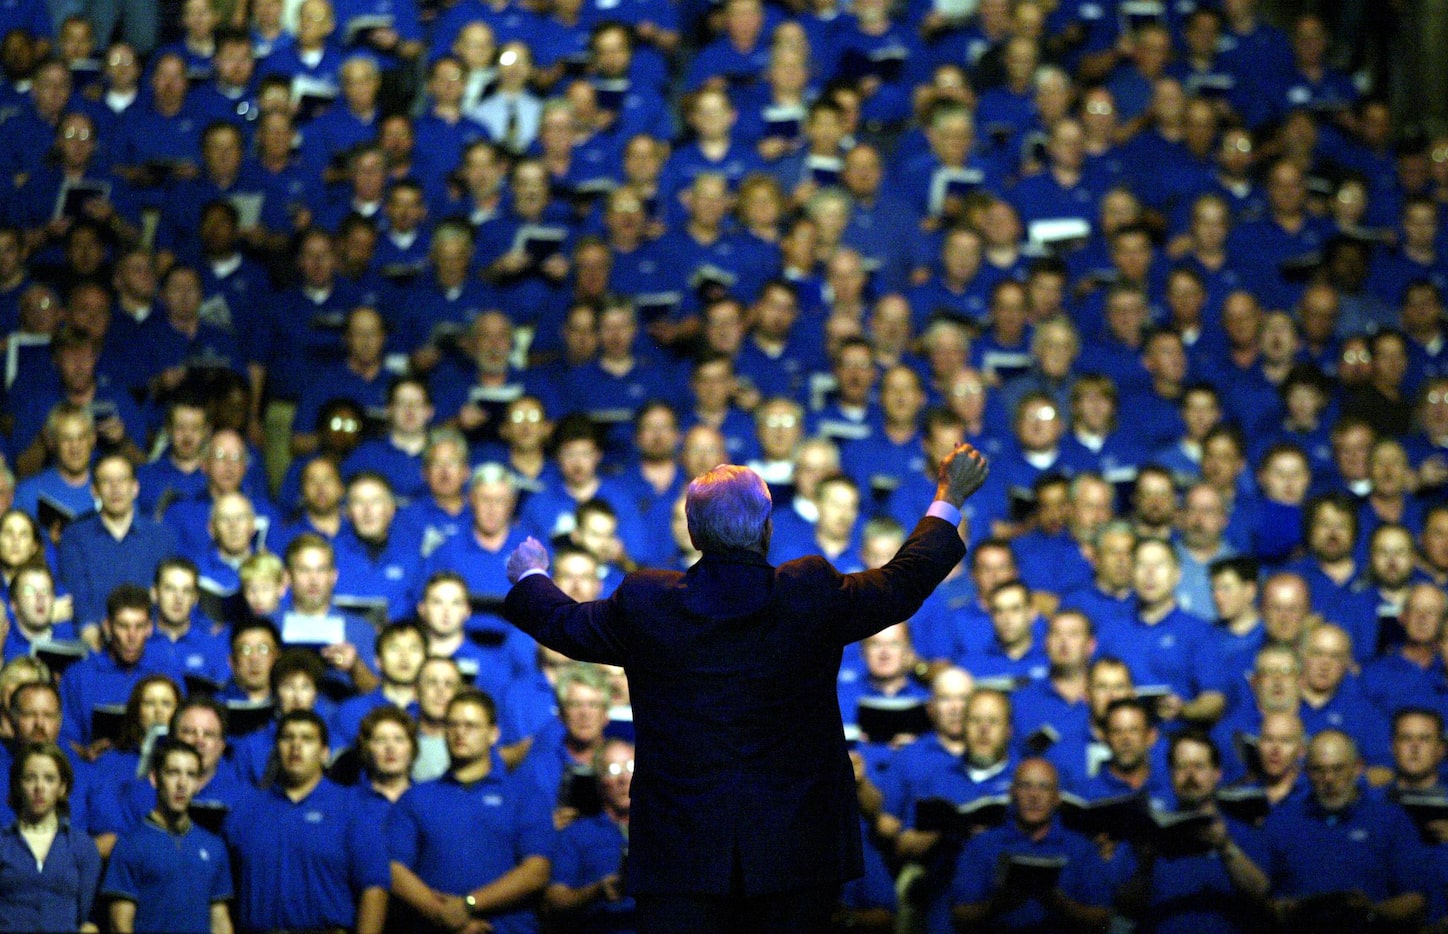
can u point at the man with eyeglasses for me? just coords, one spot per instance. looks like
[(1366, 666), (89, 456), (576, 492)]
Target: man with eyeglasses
[(226, 461), (220, 785), (1343, 850), (588, 882), (443, 879), (559, 759)]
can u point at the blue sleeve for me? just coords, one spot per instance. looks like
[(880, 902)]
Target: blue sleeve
[(88, 870), (535, 833), (975, 872), (220, 888), (568, 860), (120, 879)]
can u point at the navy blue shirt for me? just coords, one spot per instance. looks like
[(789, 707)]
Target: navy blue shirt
[(1370, 845), (589, 849)]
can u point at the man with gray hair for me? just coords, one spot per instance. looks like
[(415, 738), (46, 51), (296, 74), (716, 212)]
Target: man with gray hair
[(746, 808)]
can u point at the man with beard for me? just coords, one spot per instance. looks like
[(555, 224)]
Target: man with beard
[(1330, 570), (1213, 875)]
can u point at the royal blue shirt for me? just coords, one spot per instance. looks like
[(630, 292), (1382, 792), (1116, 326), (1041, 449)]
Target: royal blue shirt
[(93, 562), (1370, 846), (173, 879), (589, 849), (302, 864), (1084, 878), (457, 837), (54, 896)]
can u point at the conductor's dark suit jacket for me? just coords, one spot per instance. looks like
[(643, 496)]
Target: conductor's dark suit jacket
[(742, 784)]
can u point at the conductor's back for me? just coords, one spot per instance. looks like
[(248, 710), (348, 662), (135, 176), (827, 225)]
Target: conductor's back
[(743, 794)]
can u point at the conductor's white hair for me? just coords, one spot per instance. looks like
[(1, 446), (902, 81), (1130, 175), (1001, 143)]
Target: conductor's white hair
[(727, 508)]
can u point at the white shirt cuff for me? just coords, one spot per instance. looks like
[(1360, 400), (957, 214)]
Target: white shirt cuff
[(940, 509)]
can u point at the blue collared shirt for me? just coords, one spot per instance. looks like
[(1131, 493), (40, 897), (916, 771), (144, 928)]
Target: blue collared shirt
[(303, 864), (55, 895), (456, 837), (172, 878)]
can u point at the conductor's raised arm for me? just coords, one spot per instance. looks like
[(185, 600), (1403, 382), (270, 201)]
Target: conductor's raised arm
[(962, 472)]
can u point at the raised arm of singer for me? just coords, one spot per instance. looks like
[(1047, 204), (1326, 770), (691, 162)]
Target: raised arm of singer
[(743, 795)]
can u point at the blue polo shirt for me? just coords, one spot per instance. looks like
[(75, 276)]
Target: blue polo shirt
[(392, 572), (173, 879), (302, 864), (1084, 878), (163, 483), (1194, 895), (121, 810), (97, 680), (1370, 845), (1180, 651), (93, 562), (456, 837), (349, 716), (589, 849), (1039, 703), (197, 652)]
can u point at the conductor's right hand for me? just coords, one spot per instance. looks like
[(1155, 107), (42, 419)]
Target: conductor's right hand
[(962, 472)]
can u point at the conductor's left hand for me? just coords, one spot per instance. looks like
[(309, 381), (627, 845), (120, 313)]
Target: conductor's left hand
[(526, 557)]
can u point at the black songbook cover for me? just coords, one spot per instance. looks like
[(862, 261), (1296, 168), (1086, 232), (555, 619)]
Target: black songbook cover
[(884, 718), (655, 306), (72, 198), (52, 512), (107, 721), (485, 603), (1246, 804), (539, 241), (1213, 85), (216, 602), (1121, 817), (610, 93), (1136, 14), (960, 820), (824, 171), (887, 64), (487, 638), (1003, 683), (199, 685), (245, 717), (58, 654), (1424, 808), (208, 815), (1152, 695), (580, 791), (360, 29), (1041, 740), (372, 609), (1249, 752), (712, 283), (783, 122), (952, 183), (1181, 833), (1299, 269), (1019, 872)]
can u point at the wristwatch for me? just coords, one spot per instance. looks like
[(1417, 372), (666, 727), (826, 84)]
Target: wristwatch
[(470, 902)]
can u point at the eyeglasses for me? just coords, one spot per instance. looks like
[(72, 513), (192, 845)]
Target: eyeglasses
[(74, 133), (227, 457), (780, 421), (345, 424), (530, 416), (246, 651), (619, 768)]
